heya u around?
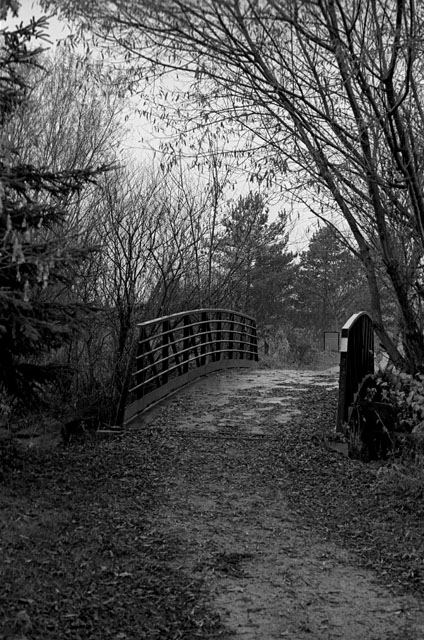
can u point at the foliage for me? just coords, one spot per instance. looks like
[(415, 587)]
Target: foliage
[(404, 391), (330, 284), (72, 116), (302, 347), (324, 99), (33, 260), (387, 418), (407, 393), (71, 120), (253, 256)]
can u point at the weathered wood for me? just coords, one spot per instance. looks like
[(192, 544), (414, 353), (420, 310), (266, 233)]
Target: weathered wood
[(174, 350), (356, 361)]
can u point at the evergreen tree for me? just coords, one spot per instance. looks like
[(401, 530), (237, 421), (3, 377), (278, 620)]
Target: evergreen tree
[(272, 288), (331, 283), (256, 259), (33, 260)]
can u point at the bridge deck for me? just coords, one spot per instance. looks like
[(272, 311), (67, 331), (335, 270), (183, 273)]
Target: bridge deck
[(252, 402)]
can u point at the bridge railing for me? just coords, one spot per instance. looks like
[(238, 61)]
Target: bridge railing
[(356, 361), (176, 349)]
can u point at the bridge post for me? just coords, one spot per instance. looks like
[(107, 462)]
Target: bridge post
[(231, 336), (218, 337), (165, 350), (356, 361), (186, 342), (203, 337), (253, 341), (243, 337)]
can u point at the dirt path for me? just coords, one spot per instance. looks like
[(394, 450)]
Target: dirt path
[(270, 576)]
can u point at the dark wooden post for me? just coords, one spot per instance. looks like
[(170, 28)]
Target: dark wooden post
[(203, 329), (342, 385), (166, 326), (254, 341), (218, 337), (231, 336), (186, 342), (243, 336), (356, 361)]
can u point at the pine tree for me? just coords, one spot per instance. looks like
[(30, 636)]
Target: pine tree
[(256, 257), (33, 201), (331, 283)]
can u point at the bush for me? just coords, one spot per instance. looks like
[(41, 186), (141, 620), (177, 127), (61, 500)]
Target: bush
[(407, 394), (303, 349), (390, 404)]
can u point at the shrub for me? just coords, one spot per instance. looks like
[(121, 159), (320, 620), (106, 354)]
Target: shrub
[(400, 400), (406, 393)]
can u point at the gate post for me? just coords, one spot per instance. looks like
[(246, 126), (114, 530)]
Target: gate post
[(356, 361)]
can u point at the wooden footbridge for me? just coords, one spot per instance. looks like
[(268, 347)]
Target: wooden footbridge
[(175, 350)]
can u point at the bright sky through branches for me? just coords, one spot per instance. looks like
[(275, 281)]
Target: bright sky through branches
[(143, 139)]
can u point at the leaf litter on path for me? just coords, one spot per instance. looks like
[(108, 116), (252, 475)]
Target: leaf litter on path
[(203, 528)]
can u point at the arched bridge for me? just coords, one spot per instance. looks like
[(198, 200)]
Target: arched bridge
[(174, 350)]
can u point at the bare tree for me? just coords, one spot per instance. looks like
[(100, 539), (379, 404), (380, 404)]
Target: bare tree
[(33, 263), (129, 220), (327, 97), (152, 230), (193, 205)]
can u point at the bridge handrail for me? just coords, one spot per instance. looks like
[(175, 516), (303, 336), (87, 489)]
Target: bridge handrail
[(356, 361), (180, 314), (198, 324), (175, 349)]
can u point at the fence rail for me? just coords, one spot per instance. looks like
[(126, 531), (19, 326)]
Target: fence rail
[(356, 361), (176, 349)]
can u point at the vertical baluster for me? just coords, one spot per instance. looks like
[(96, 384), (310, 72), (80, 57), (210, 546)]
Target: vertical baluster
[(230, 335), (243, 336), (203, 328), (255, 342), (186, 343), (165, 351), (218, 338)]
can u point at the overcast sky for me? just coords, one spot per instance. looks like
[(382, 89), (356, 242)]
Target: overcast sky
[(141, 138)]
